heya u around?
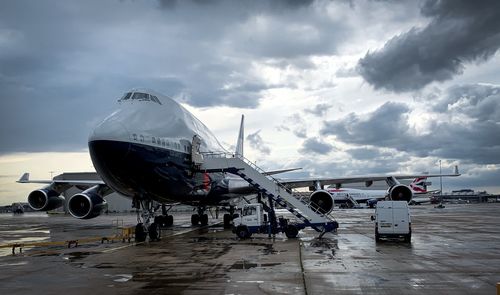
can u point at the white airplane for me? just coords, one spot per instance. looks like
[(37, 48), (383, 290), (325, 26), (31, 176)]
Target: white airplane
[(345, 195), (147, 149)]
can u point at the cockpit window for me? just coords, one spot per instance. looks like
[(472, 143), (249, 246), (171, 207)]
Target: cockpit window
[(140, 96), (155, 99), (126, 96)]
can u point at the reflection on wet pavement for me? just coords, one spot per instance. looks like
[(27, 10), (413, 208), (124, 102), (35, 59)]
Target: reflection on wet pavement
[(456, 250)]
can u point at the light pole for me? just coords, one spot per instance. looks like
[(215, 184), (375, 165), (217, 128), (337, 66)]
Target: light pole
[(441, 187)]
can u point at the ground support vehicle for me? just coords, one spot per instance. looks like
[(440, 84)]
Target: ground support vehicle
[(392, 220)]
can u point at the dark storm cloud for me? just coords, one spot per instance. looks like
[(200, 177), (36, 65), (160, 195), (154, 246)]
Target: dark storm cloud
[(474, 139), (479, 101), (63, 65), (261, 4), (383, 127), (458, 32), (257, 143), (286, 32), (316, 146)]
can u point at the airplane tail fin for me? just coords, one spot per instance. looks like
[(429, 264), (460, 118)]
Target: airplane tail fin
[(241, 137), (419, 185), (24, 178)]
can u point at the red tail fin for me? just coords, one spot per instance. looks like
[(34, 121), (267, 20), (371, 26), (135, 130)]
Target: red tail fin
[(419, 185)]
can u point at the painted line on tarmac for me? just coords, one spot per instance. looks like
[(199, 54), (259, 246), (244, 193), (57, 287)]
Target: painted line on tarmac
[(172, 235)]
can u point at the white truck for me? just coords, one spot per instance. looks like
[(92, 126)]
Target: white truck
[(254, 220), (392, 220)]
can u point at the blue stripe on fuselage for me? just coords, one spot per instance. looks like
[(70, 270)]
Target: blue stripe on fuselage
[(135, 169)]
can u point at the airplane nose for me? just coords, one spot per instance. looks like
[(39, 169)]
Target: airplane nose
[(110, 129), (109, 142)]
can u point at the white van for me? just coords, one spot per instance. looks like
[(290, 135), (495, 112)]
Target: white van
[(392, 220)]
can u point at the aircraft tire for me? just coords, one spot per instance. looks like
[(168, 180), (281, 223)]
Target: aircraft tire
[(227, 221), (170, 220), (242, 232), (154, 232), (140, 233), (195, 219), (204, 219), (291, 231), (160, 220)]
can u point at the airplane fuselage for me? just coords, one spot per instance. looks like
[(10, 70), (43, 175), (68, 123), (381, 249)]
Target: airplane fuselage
[(143, 149), (341, 195)]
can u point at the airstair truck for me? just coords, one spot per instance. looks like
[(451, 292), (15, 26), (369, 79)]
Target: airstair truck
[(254, 220), (392, 220)]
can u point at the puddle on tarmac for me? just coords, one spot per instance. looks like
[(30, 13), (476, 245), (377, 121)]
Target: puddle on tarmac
[(104, 265), (248, 265), (13, 264), (325, 246), (73, 256), (268, 249), (120, 278)]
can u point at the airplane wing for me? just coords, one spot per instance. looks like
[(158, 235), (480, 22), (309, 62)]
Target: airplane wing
[(273, 172), (427, 192), (65, 178), (296, 183)]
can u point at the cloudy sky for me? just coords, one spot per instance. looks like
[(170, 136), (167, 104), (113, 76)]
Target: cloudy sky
[(336, 87)]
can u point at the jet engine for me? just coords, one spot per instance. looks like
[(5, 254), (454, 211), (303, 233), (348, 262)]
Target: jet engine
[(321, 201), (87, 204), (400, 192), (45, 199)]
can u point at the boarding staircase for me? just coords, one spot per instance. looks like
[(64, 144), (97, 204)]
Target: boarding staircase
[(268, 186), (353, 201)]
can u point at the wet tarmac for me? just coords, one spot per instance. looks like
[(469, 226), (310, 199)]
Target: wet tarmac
[(455, 250)]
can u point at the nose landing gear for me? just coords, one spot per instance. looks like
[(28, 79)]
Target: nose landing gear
[(145, 212)]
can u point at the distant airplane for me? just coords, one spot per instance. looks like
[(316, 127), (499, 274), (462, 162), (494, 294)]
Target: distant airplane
[(148, 150), (345, 195)]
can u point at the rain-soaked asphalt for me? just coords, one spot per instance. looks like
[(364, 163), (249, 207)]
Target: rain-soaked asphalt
[(455, 250)]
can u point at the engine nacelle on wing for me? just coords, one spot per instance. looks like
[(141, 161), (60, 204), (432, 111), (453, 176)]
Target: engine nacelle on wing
[(87, 204), (45, 199), (321, 201), (400, 192)]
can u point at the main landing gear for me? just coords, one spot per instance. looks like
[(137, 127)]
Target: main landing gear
[(200, 218), (144, 228), (164, 220)]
